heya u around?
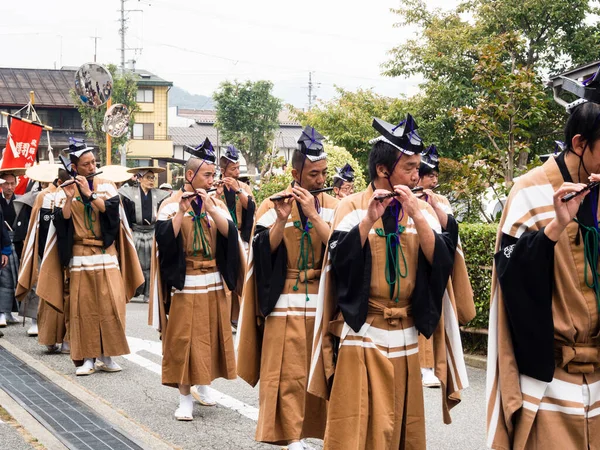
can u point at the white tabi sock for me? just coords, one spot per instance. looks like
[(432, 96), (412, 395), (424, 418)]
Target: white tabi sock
[(204, 395), (186, 407)]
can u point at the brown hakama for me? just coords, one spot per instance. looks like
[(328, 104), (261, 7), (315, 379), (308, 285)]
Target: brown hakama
[(188, 297), (365, 352), (100, 278), (277, 325)]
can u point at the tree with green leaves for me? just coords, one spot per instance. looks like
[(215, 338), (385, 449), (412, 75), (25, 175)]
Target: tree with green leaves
[(346, 119), (124, 91), (509, 106), (483, 63), (247, 117)]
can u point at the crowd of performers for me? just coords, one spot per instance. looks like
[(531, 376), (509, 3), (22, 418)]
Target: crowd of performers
[(345, 304)]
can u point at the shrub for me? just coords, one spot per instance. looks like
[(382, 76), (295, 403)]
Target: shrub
[(478, 242)]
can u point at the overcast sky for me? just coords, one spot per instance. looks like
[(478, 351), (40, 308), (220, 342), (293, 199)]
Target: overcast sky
[(198, 44)]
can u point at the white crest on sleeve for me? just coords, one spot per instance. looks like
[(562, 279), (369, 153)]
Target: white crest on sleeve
[(508, 250)]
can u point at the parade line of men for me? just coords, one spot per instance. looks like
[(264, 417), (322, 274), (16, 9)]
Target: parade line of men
[(345, 304)]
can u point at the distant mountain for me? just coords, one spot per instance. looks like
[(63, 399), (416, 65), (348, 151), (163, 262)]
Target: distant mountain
[(183, 99)]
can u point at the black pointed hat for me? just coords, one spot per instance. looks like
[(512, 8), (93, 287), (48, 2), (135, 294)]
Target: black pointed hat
[(403, 136), (232, 154), (76, 148), (310, 144), (345, 173), (204, 151), (431, 157)]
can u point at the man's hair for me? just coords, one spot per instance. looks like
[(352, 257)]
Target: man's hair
[(223, 162), (297, 160), (338, 182), (384, 154), (584, 120), (63, 175), (424, 169)]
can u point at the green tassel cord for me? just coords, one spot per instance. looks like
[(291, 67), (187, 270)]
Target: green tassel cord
[(89, 219), (306, 258), (393, 276), (200, 243), (591, 242), (232, 211)]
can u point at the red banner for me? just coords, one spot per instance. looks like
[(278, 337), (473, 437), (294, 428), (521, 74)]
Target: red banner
[(21, 148)]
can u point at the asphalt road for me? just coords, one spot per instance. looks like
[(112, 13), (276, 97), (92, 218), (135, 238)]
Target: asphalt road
[(137, 393)]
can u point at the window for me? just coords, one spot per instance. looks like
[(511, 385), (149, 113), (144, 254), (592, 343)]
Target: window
[(143, 131), (145, 96), (138, 131)]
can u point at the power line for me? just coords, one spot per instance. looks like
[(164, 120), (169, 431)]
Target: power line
[(261, 64), (262, 25)]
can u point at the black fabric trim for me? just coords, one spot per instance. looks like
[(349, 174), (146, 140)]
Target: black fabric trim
[(351, 265), (171, 254), (431, 282), (270, 269), (65, 230), (525, 269), (228, 255), (110, 220), (247, 220)]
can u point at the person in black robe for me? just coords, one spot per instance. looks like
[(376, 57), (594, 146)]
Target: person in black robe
[(141, 205), (5, 246), (15, 217)]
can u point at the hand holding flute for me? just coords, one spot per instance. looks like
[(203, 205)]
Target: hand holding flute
[(382, 197), (74, 180), (565, 210), (313, 192)]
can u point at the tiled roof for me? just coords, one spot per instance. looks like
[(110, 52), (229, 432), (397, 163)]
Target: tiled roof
[(51, 87), (145, 78), (210, 116), (194, 135)]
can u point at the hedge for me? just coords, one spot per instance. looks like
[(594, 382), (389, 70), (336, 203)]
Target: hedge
[(478, 243)]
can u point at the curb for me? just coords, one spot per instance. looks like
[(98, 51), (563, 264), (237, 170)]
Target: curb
[(476, 361), (145, 437), (31, 425)]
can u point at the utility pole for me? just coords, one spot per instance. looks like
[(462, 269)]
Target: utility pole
[(95, 38), (122, 31), (310, 88)]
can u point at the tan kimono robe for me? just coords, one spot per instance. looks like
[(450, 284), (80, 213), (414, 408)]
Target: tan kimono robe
[(535, 402), (189, 304), (98, 280), (244, 219), (459, 290), (276, 347), (51, 322), (365, 351)]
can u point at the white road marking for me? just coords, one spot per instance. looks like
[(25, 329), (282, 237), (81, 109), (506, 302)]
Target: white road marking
[(154, 347)]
